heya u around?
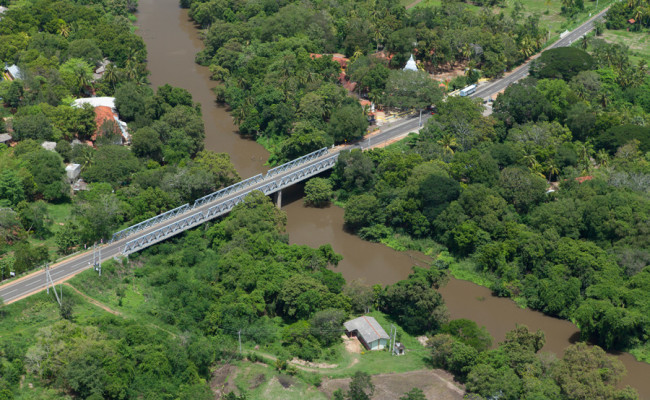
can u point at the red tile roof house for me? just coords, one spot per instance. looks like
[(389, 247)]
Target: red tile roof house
[(105, 111)]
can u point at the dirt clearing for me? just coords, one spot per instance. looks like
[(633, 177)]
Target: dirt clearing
[(436, 385)]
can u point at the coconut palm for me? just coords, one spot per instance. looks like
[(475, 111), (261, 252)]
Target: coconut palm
[(64, 29), (448, 143), (585, 151), (552, 170), (111, 75), (530, 160), (602, 158)]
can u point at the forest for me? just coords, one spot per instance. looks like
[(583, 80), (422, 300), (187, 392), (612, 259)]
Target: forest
[(58, 46), (177, 309), (545, 201), (280, 80)]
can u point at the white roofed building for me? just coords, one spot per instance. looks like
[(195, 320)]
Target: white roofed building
[(368, 331), (411, 65)]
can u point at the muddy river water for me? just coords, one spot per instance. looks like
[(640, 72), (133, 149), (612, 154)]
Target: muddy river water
[(172, 41)]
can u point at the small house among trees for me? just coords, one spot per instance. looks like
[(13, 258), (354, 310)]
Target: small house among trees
[(368, 331)]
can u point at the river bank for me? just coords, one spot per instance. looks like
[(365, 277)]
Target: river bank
[(172, 41)]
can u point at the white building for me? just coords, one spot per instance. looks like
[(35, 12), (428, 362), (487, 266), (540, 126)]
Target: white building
[(411, 65), (72, 171), (368, 331), (51, 146)]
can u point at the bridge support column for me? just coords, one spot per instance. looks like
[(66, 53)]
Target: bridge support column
[(278, 199)]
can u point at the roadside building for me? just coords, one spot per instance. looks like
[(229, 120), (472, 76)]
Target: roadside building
[(5, 138), (368, 331), (51, 146), (72, 171), (13, 72)]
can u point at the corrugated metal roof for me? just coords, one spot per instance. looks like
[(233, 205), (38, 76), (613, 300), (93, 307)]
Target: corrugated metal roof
[(4, 137), (367, 327), (14, 71)]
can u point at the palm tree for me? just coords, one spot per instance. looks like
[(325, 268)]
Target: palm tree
[(585, 151), (111, 75), (552, 170), (357, 53), (584, 42), (467, 51), (530, 160), (604, 99), (602, 158), (526, 47), (87, 157), (64, 29), (448, 143)]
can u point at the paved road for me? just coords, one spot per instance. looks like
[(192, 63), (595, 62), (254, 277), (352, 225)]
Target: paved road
[(35, 282), (495, 87)]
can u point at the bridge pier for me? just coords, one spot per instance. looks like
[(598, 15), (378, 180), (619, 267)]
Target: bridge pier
[(278, 199)]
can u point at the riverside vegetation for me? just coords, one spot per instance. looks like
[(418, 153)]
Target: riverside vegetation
[(468, 190), (57, 45), (176, 309), (545, 201)]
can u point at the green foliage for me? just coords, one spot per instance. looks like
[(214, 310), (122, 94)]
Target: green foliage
[(526, 199), (411, 89), (413, 394), (561, 63), (113, 164), (318, 192), (361, 387), (469, 333), (347, 124), (414, 302)]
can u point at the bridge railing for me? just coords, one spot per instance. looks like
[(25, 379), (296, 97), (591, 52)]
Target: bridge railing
[(163, 233), (294, 163), (150, 222), (212, 197), (228, 191)]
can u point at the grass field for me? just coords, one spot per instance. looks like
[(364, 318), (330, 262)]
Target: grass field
[(638, 42), (548, 10)]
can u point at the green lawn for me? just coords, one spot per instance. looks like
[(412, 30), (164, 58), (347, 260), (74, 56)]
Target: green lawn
[(638, 42)]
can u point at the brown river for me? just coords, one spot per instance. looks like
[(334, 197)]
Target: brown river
[(172, 41)]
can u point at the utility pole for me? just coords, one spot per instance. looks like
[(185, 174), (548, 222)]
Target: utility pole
[(393, 331), (239, 334), (97, 259), (49, 281)]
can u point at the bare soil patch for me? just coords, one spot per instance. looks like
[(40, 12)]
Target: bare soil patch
[(352, 345), (222, 379), (436, 385), (305, 363), (258, 380)]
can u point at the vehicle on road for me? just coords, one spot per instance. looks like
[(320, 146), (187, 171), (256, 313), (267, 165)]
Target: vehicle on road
[(466, 91)]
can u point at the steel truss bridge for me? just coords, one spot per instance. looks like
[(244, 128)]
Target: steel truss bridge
[(223, 201)]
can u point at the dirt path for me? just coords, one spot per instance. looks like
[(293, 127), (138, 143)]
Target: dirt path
[(302, 367), (93, 301), (112, 311), (415, 3)]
